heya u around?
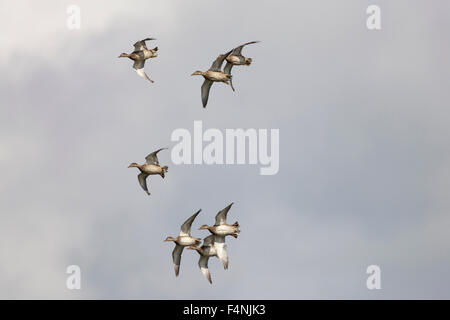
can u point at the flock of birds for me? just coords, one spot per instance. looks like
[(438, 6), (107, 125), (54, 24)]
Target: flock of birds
[(233, 57), (214, 244)]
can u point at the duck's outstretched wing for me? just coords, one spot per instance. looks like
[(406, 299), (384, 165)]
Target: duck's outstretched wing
[(138, 66), (176, 257), (217, 64), (142, 177), (228, 68), (152, 158), (237, 51), (206, 86), (203, 265), (186, 226), (140, 45), (221, 250), (221, 217)]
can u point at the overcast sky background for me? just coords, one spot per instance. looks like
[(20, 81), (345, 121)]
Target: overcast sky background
[(364, 149)]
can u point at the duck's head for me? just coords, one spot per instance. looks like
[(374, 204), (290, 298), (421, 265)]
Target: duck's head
[(133, 165), (169, 239), (124, 55), (203, 227), (197, 73)]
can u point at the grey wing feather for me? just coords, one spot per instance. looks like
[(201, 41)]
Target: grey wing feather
[(217, 64), (209, 240), (176, 257), (152, 158), (237, 51), (227, 68), (142, 177), (221, 217), (186, 226), (139, 45), (203, 265), (138, 64), (218, 239), (205, 91)]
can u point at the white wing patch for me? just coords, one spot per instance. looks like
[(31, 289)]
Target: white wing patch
[(142, 74), (222, 254), (206, 273)]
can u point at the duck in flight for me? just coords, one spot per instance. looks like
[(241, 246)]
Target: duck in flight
[(184, 239), (213, 74), (235, 58), (206, 251), (139, 55), (220, 230), (151, 167)]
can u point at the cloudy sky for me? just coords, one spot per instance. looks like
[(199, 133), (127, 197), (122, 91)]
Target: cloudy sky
[(364, 149)]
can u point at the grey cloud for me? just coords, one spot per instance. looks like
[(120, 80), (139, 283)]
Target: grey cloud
[(363, 152)]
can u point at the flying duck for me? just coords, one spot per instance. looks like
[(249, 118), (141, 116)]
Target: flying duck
[(213, 74), (184, 239), (206, 251), (220, 230), (151, 167), (235, 58), (139, 55)]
